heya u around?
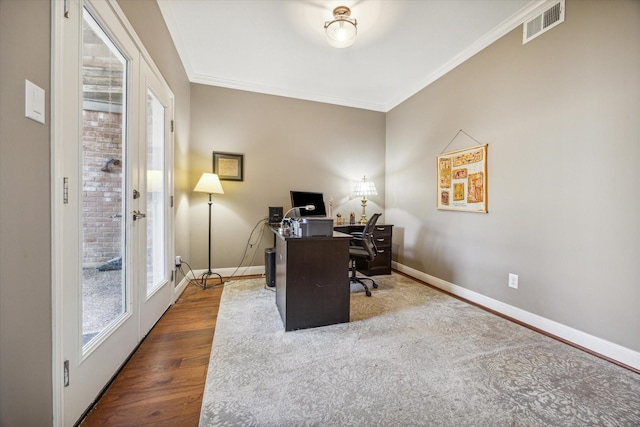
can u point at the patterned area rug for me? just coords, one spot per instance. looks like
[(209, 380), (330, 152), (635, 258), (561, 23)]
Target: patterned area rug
[(410, 356)]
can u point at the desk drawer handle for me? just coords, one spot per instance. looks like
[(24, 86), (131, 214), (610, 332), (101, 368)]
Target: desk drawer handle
[(380, 251), (380, 228), (381, 240)]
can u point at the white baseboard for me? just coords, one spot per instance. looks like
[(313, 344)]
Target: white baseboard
[(225, 272), (605, 348), (180, 287), (228, 271)]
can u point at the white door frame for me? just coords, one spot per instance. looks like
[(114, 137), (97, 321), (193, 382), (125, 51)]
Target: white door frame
[(60, 53)]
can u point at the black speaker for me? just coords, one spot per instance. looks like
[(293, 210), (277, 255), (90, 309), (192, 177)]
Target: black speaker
[(270, 266), (275, 214)]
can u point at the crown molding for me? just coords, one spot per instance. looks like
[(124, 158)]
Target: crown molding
[(492, 36), (174, 30), (278, 91)]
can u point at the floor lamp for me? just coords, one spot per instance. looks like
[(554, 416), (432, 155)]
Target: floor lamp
[(209, 183)]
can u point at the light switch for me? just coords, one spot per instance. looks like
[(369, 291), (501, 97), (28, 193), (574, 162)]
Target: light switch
[(34, 102)]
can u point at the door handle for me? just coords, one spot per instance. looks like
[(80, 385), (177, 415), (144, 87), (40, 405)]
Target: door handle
[(138, 215)]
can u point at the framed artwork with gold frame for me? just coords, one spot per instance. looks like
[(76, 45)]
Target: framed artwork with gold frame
[(462, 180), (228, 166)]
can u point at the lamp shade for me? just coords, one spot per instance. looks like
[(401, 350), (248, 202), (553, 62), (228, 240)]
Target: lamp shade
[(342, 30), (365, 188), (209, 183), (154, 180)]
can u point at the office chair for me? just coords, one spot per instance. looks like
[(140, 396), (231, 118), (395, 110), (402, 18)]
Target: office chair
[(362, 246)]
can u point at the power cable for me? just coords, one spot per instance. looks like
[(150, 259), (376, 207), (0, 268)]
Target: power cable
[(249, 244), (262, 221)]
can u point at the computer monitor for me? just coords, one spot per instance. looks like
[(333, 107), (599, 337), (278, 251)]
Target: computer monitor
[(303, 198)]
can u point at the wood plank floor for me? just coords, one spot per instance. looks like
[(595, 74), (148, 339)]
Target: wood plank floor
[(163, 381)]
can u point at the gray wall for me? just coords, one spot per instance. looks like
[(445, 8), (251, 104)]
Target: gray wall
[(145, 17), (288, 145), (560, 115), (25, 216)]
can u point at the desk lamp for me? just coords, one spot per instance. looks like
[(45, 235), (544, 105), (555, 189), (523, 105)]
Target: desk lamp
[(209, 183), (306, 208), (365, 188)]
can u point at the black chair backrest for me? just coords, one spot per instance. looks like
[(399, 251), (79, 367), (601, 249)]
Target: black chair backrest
[(368, 228), (367, 236)]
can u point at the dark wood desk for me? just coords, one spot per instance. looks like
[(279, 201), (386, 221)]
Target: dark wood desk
[(312, 280), (382, 236)]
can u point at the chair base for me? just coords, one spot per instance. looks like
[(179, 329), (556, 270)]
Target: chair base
[(355, 279)]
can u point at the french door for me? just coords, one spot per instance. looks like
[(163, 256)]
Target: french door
[(112, 239), (154, 177)]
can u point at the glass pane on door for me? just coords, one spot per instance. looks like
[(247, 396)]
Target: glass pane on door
[(156, 194), (103, 181)]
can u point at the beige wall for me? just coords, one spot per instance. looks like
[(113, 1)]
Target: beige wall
[(25, 216), (560, 115), (288, 145)]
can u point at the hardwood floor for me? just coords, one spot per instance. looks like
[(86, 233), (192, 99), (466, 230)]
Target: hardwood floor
[(163, 381)]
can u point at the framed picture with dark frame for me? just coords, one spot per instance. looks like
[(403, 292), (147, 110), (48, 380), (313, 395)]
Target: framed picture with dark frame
[(228, 166)]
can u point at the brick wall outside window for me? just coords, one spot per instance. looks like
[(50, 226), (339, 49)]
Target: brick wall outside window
[(102, 191)]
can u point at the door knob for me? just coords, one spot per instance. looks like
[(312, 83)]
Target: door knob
[(138, 215)]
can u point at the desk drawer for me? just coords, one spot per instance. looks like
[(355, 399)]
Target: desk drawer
[(382, 231), (382, 237), (382, 242), (383, 259)]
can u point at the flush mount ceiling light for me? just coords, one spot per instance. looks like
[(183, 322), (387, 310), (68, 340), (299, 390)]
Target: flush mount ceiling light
[(341, 31)]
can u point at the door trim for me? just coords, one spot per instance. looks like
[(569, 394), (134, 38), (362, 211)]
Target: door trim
[(57, 102), (57, 13)]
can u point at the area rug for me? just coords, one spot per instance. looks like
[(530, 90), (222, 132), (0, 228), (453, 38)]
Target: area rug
[(410, 356)]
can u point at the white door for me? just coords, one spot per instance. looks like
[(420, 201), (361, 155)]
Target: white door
[(102, 203), (155, 159)]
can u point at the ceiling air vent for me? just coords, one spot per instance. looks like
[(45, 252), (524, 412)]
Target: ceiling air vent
[(549, 15)]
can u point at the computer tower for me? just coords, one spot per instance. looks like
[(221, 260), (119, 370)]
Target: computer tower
[(270, 266), (275, 214)]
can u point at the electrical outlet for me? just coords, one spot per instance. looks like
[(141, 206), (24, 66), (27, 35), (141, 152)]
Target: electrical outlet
[(178, 260), (513, 281)]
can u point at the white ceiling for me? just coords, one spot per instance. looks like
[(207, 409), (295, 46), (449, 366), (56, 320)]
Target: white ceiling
[(279, 47)]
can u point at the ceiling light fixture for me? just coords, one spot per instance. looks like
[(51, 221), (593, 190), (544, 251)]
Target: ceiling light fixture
[(342, 30)]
